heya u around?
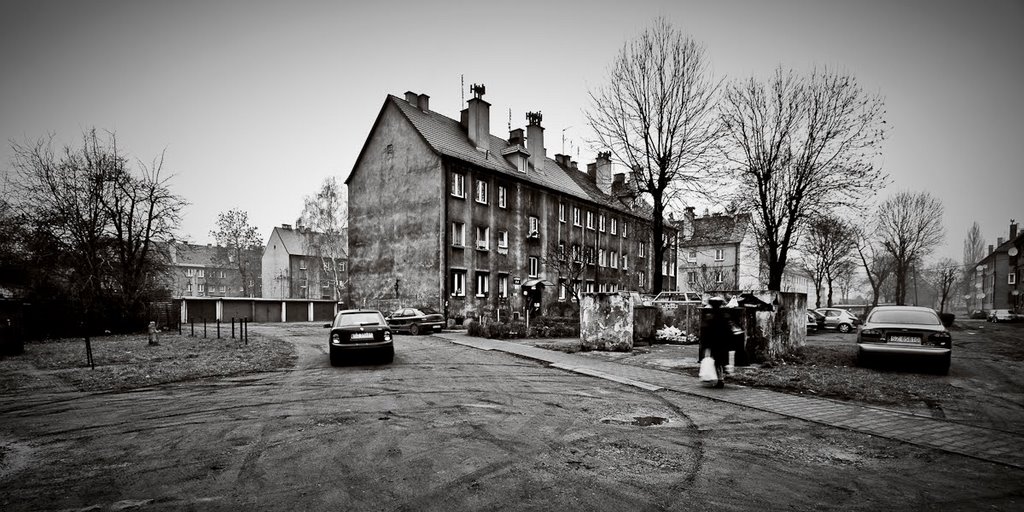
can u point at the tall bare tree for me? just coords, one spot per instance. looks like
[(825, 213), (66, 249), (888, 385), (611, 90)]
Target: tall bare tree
[(974, 251), (877, 265), (241, 244), (657, 115), (569, 266), (827, 248), (326, 215), (799, 147), (944, 278), (909, 226)]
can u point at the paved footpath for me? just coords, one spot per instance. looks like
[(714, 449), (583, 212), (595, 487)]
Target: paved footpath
[(981, 443)]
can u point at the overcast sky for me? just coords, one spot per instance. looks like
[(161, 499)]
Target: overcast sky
[(256, 102)]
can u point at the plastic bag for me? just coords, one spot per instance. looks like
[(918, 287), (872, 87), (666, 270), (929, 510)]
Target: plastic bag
[(707, 368)]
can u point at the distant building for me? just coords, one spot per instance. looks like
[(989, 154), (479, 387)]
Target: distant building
[(996, 277), (444, 214), (206, 271), (293, 268)]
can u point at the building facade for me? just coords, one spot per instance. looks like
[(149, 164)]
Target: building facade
[(717, 252), (293, 267), (206, 271), (996, 278), (444, 214)]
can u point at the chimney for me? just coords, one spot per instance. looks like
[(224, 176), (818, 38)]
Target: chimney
[(688, 222), (411, 97), (592, 172), (562, 160), (572, 165), (516, 137), (1013, 229), (991, 249), (286, 226), (535, 139), (603, 175), (423, 103), (999, 242), (478, 118)]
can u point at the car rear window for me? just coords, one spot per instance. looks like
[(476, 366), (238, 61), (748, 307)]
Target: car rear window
[(370, 318), (904, 317)]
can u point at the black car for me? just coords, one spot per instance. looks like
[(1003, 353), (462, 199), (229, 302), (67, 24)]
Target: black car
[(896, 333), (815, 319), (415, 321), (360, 331)]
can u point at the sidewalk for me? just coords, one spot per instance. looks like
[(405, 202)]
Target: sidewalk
[(980, 443)]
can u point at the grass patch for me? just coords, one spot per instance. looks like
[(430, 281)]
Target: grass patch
[(128, 361), (832, 372)]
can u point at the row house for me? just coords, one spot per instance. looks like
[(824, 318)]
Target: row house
[(299, 263), (204, 271), (996, 278), (444, 214)]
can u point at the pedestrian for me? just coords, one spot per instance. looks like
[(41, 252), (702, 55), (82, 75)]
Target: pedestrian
[(716, 332)]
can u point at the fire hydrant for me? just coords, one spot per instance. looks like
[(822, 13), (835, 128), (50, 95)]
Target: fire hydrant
[(152, 334)]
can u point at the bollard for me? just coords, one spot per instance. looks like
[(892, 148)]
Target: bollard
[(232, 327), (192, 322), (218, 328), (246, 330), (204, 327)]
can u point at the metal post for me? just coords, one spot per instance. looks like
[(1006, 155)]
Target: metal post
[(204, 327), (232, 327), (218, 328), (192, 323), (246, 330)]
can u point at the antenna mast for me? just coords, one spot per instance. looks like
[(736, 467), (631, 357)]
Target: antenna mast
[(462, 90)]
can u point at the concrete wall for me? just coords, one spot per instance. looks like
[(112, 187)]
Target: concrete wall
[(775, 323), (395, 218), (274, 270), (607, 322)]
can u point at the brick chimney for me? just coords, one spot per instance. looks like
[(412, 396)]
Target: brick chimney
[(535, 139), (688, 222), (412, 97), (603, 177), (423, 103), (478, 118), (516, 137), (1013, 229)]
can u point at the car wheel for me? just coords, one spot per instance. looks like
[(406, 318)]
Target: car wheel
[(845, 328), (335, 357), (414, 329)]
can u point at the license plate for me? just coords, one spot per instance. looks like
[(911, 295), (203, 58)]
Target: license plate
[(362, 336), (906, 340)]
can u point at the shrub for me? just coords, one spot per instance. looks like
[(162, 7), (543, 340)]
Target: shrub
[(947, 319), (474, 328)]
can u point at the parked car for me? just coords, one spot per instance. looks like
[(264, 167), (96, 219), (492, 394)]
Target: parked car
[(679, 298), (360, 331), (415, 321), (840, 319), (1002, 315), (815, 321), (897, 332)]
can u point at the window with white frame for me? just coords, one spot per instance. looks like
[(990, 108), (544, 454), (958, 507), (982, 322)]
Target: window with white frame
[(502, 285), (483, 238), (577, 254), (563, 290), (625, 262), (691, 256), (458, 283), (602, 258), (483, 284), (719, 254), (601, 222), (561, 251), (577, 217), (641, 249), (188, 288), (202, 288), (1011, 278), (458, 234), (481, 191), (502, 197), (534, 226), (642, 278), (590, 220), (534, 266), (458, 184), (190, 272), (503, 239), (561, 212), (624, 229), (614, 227), (590, 287), (691, 277), (613, 259), (719, 277), (201, 273)]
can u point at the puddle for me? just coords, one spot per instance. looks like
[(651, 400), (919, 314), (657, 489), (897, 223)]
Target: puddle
[(646, 421)]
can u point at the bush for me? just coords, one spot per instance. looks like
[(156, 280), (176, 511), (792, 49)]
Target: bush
[(947, 319)]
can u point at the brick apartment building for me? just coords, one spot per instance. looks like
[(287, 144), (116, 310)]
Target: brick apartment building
[(207, 271)]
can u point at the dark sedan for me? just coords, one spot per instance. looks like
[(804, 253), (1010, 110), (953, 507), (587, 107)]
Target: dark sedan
[(362, 331), (415, 321), (904, 332)]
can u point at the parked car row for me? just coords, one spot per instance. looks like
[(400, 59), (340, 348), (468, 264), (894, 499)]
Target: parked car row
[(1003, 315)]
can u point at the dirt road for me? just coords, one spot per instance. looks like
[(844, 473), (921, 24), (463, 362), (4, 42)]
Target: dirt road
[(448, 427)]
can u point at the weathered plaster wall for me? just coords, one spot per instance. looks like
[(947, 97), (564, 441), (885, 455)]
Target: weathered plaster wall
[(606, 322), (275, 268), (395, 194)]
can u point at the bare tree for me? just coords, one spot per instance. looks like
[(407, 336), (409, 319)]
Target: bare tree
[(910, 226), (945, 277), (569, 266), (827, 247), (240, 244), (800, 147), (878, 266), (326, 215), (974, 251), (657, 116)]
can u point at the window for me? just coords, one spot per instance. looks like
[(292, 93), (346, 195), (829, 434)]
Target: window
[(625, 262), (561, 251), (576, 217), (534, 227), (502, 285), (641, 249), (613, 259), (503, 239), (481, 191), (642, 279), (563, 290), (190, 272), (458, 184), (590, 287), (691, 277), (590, 220), (718, 276), (222, 274), (502, 197), (188, 288), (588, 255), (577, 255), (692, 257), (458, 234), (534, 266), (483, 238), (482, 284), (602, 260), (458, 283), (201, 273), (561, 212), (341, 266), (600, 223), (614, 226), (1011, 278), (202, 288), (719, 254), (623, 230)]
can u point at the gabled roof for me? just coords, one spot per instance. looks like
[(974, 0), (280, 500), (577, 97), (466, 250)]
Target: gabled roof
[(294, 241), (717, 230), (185, 254), (446, 137)]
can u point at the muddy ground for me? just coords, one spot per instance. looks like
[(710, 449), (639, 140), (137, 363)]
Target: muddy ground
[(448, 427)]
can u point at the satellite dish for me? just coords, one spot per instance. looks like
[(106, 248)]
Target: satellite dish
[(1012, 251)]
